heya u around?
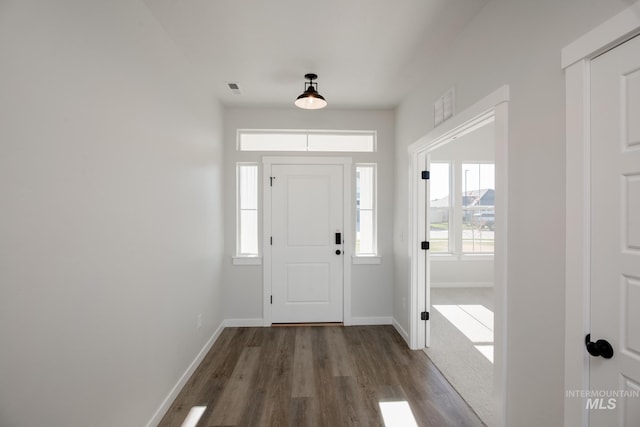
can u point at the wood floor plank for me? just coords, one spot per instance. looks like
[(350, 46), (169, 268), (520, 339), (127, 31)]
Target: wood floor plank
[(341, 359), (316, 376), (201, 387), (232, 403), (302, 385), (326, 404), (301, 412), (274, 376), (353, 407)]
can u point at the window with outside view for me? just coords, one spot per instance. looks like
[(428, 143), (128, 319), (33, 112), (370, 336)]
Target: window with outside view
[(461, 216), (478, 207), (440, 208), (366, 209), (247, 220)]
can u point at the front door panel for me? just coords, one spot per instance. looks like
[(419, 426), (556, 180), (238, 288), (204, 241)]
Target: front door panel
[(307, 273)]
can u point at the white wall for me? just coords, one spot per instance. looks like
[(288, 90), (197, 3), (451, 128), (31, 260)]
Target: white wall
[(454, 270), (514, 42), (110, 218), (371, 284)]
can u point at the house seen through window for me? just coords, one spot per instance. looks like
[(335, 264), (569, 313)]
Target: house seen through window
[(462, 207)]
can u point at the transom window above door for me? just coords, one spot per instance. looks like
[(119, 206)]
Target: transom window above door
[(306, 140)]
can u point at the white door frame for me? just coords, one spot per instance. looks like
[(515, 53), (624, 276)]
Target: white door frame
[(345, 162), (494, 105), (576, 61)]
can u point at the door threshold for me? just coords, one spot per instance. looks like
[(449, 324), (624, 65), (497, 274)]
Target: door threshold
[(284, 325)]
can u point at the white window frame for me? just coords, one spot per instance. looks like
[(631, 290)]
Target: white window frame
[(305, 133), (456, 189), (452, 245), (241, 258), (374, 210), (459, 244)]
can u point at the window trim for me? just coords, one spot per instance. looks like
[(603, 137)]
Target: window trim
[(374, 211), (456, 252), (239, 255), (462, 255), (451, 240), (306, 133), (246, 260)]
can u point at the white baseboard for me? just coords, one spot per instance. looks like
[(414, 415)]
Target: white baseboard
[(462, 284), (401, 331), (243, 323), (166, 403), (361, 321), (355, 321)]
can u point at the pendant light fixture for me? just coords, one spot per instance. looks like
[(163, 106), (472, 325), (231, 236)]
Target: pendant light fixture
[(311, 99)]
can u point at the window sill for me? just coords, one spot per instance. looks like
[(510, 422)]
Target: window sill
[(370, 260), (246, 260), (458, 257)]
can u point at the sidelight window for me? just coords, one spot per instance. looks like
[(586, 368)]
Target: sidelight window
[(247, 209), (366, 221)]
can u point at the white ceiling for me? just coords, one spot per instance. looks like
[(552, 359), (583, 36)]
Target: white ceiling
[(367, 53)]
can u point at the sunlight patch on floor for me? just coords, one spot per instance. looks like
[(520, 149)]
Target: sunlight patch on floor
[(474, 321), (193, 416), (397, 414)]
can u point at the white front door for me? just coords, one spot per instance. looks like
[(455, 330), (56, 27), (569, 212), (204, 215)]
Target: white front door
[(307, 260), (615, 236)]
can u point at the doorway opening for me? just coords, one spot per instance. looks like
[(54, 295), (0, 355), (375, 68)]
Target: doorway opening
[(307, 240), (461, 232), (467, 248)]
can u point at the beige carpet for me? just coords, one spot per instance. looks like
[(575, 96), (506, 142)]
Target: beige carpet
[(461, 331)]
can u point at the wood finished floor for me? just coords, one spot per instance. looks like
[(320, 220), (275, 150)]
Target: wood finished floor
[(316, 376)]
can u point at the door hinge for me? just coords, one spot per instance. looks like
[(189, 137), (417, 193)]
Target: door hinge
[(271, 240), (271, 178), (424, 315), (271, 300), (425, 175), (424, 246)]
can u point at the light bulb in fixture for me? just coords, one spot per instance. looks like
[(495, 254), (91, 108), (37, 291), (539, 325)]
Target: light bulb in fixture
[(311, 99)]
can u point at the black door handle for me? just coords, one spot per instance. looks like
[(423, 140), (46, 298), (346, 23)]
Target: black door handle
[(600, 348), (338, 252), (338, 238)]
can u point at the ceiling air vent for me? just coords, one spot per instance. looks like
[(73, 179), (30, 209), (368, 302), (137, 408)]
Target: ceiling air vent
[(234, 88)]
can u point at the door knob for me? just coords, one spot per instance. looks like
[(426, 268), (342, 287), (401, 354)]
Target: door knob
[(599, 348), (338, 252)]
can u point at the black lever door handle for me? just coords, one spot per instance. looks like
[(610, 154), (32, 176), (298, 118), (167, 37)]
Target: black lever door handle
[(600, 348), (338, 238)]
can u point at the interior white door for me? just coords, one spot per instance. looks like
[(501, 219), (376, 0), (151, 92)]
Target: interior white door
[(615, 236), (307, 260)]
